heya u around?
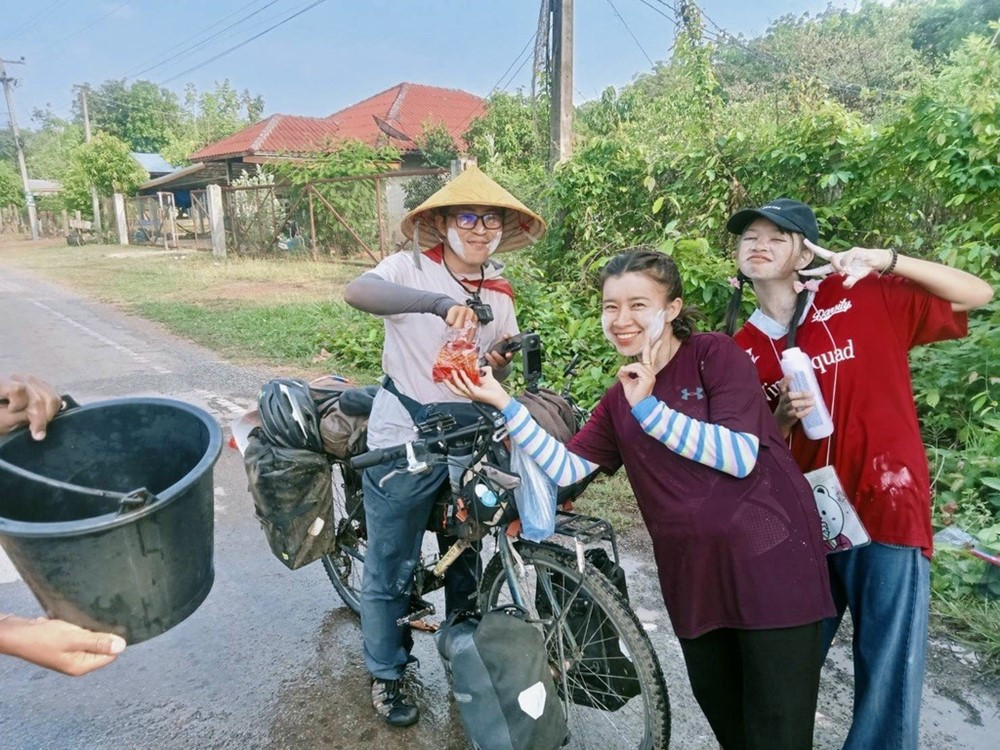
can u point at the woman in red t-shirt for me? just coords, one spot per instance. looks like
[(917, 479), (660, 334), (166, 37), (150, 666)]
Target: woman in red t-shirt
[(735, 531), (857, 328)]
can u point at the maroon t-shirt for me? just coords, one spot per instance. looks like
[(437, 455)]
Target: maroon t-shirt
[(730, 553), (858, 340)]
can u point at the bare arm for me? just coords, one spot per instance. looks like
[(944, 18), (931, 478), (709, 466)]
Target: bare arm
[(963, 290)]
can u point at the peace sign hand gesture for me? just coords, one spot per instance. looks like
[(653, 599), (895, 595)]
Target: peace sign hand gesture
[(638, 378), (854, 264)]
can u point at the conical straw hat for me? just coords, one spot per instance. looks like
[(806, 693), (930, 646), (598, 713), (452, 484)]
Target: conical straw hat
[(472, 187)]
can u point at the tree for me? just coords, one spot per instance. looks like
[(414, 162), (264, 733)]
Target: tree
[(514, 131), (143, 115), (11, 190), (105, 162), (942, 25), (437, 150), (862, 57), (47, 148), (210, 116)]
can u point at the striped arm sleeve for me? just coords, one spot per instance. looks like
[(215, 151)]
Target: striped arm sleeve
[(719, 447), (561, 466)]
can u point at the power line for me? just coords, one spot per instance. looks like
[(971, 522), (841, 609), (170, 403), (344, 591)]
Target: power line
[(515, 73), (657, 10), (672, 8), (243, 43), (471, 117), (88, 26), (197, 45), (634, 39), (513, 63), (37, 17)]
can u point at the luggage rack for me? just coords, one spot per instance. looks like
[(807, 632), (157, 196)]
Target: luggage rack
[(586, 530)]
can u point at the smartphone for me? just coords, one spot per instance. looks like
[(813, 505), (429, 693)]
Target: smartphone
[(512, 344)]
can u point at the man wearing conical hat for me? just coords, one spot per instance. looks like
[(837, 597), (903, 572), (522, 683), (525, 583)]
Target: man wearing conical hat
[(450, 280)]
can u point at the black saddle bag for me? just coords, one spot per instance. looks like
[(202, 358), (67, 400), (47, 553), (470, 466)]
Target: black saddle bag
[(501, 680), (292, 493)]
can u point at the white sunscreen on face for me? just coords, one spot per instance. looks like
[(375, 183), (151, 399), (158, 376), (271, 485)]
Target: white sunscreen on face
[(606, 320), (654, 324), (459, 247), (456, 244), (495, 242)]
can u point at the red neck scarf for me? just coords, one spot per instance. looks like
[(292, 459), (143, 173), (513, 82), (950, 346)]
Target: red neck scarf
[(498, 284)]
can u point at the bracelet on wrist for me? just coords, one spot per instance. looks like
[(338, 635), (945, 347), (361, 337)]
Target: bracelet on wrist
[(892, 263)]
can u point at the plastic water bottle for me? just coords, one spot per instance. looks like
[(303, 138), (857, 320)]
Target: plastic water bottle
[(795, 364)]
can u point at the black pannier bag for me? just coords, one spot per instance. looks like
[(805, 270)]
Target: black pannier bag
[(501, 681), (292, 493), (604, 676)]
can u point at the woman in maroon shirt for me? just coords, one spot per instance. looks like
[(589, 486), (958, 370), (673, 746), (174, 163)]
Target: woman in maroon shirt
[(734, 527)]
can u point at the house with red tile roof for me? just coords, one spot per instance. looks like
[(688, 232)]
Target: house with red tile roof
[(394, 117)]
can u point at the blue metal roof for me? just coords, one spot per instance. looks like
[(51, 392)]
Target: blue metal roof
[(152, 163)]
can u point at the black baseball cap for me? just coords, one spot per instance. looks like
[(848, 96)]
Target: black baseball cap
[(790, 215)]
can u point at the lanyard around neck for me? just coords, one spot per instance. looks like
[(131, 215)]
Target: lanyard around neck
[(836, 371), (461, 283)]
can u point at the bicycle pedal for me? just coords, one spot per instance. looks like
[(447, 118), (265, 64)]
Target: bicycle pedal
[(418, 615)]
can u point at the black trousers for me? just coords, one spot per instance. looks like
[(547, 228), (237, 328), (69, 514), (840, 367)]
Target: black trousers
[(758, 688)]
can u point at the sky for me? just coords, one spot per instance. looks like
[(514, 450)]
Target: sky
[(336, 52)]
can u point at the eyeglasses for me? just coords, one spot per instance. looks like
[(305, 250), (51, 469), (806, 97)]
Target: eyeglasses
[(468, 220)]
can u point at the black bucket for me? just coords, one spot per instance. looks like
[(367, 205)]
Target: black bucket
[(109, 519)]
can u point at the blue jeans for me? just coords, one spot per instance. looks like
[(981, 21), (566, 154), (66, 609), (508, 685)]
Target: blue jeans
[(396, 516), (887, 589)]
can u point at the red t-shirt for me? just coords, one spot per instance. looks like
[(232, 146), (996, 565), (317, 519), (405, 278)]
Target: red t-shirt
[(858, 340), (737, 553)]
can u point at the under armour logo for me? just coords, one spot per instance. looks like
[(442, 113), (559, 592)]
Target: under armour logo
[(698, 393)]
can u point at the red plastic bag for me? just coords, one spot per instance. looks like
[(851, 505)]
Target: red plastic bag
[(460, 353)]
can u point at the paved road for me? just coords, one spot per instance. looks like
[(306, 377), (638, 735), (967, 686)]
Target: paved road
[(271, 659)]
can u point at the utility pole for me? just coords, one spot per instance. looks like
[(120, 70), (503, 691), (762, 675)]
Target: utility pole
[(29, 199), (561, 83), (94, 200)]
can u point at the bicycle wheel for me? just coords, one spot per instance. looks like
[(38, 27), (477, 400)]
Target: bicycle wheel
[(611, 684), (345, 565)]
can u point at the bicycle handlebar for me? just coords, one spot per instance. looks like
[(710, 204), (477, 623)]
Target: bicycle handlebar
[(423, 446), (377, 456)]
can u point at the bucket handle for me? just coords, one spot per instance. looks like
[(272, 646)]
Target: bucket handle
[(135, 500)]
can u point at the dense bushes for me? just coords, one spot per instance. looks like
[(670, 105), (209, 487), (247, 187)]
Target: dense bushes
[(666, 160)]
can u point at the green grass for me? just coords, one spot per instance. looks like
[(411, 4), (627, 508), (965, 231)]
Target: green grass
[(611, 498), (127, 276), (278, 313), (974, 621)]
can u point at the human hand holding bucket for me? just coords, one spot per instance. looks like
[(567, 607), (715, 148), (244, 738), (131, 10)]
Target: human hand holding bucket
[(109, 520)]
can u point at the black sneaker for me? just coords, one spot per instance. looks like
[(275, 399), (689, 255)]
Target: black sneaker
[(390, 700)]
